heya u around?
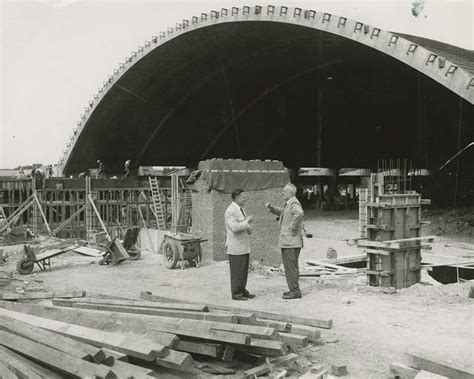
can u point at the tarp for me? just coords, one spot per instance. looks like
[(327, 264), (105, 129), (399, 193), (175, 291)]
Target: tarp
[(226, 175)]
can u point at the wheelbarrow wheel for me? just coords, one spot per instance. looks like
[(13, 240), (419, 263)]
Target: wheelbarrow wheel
[(25, 266), (170, 254), (135, 254)]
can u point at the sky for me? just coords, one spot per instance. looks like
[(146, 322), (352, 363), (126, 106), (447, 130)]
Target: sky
[(54, 55)]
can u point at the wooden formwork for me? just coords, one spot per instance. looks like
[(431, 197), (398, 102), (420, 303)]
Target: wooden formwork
[(394, 217), (65, 205)]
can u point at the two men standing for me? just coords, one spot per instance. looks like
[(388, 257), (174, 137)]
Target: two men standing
[(238, 227)]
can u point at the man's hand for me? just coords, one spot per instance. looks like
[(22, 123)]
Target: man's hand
[(267, 205), (249, 219)]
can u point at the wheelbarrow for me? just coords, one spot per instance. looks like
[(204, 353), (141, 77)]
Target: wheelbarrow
[(43, 260), (181, 247)]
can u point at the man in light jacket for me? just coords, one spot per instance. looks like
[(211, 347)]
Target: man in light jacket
[(238, 227), (291, 238)]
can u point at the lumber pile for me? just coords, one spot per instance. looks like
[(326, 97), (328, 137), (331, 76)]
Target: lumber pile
[(110, 337)]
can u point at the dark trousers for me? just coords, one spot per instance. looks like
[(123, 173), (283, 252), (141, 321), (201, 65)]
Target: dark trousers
[(290, 263), (239, 269)]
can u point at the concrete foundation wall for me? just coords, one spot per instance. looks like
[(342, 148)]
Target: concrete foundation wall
[(209, 207)]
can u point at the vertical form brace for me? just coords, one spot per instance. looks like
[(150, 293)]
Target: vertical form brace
[(246, 10), (35, 196), (194, 19), (270, 9), (326, 17), (203, 16), (224, 12), (342, 22), (258, 9), (283, 10), (235, 11), (214, 14), (297, 12)]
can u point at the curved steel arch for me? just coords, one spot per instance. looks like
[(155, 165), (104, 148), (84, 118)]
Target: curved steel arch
[(430, 62)]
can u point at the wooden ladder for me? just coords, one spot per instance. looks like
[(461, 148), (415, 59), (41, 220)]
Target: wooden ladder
[(157, 207)]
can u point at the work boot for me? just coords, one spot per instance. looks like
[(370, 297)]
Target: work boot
[(286, 293), (238, 297), (292, 295), (248, 295)]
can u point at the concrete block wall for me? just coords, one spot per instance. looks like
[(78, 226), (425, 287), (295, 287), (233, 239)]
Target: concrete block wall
[(208, 221)]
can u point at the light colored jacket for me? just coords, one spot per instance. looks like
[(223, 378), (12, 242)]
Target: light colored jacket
[(291, 223), (238, 240)]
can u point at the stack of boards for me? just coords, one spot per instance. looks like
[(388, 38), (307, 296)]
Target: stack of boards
[(109, 337)]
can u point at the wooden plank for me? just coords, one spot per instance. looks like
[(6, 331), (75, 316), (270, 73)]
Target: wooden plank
[(438, 364), (20, 368), (6, 373), (138, 324), (265, 347), (293, 339), (129, 344), (214, 316), (117, 356), (319, 323), (67, 364), (10, 358), (51, 339), (279, 326), (312, 333), (211, 335), (42, 295), (331, 265), (133, 303)]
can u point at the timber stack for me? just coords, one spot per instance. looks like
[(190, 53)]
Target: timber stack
[(78, 335)]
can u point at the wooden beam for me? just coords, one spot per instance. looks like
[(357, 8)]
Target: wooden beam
[(219, 317), (67, 364), (265, 347), (23, 367), (279, 326), (129, 345), (6, 373), (319, 323), (270, 365), (203, 348), (438, 364), (293, 339), (176, 360), (132, 303), (42, 295), (123, 323), (312, 333), (51, 339)]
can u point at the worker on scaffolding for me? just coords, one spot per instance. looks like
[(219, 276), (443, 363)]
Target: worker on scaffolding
[(100, 170), (127, 168)]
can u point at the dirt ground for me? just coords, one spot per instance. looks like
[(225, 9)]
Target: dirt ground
[(371, 328)]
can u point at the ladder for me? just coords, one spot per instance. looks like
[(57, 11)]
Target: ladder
[(157, 206)]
